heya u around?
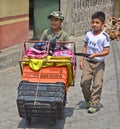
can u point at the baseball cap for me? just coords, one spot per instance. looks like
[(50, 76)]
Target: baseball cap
[(56, 14)]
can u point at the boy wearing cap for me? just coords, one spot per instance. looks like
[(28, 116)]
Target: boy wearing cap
[(55, 31)]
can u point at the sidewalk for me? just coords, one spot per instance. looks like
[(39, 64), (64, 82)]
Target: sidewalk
[(10, 56)]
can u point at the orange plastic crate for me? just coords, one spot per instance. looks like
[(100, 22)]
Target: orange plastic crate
[(49, 74)]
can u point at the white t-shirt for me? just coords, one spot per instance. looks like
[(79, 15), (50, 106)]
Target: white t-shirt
[(96, 43)]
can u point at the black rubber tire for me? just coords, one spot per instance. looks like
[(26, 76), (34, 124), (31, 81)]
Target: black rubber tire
[(52, 120), (28, 120), (60, 110), (61, 113), (52, 123)]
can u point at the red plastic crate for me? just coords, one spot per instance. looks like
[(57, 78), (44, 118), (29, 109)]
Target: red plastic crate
[(51, 74)]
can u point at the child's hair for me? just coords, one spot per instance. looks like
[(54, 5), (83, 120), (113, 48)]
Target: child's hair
[(100, 15)]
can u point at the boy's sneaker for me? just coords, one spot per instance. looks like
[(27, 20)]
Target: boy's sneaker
[(93, 109), (84, 104), (87, 104)]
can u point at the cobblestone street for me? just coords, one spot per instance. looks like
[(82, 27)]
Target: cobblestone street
[(75, 117)]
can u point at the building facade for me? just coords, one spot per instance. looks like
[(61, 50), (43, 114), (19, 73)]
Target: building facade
[(14, 17), (78, 13), (14, 22)]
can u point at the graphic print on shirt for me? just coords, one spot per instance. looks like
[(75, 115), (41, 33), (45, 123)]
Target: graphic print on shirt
[(95, 45)]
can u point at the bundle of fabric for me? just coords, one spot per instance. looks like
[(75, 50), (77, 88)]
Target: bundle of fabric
[(35, 53), (112, 27), (67, 53)]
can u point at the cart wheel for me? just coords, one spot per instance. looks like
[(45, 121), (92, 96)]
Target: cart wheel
[(28, 120), (61, 113), (61, 116), (52, 121)]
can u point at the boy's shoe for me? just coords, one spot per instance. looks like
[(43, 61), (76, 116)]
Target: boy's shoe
[(84, 104), (87, 104), (93, 109)]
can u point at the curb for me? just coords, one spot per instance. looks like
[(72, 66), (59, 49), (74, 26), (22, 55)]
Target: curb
[(10, 56)]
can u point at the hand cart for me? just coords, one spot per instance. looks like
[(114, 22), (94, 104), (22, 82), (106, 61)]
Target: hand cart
[(43, 92)]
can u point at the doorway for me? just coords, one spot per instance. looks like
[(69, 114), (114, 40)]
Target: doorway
[(38, 12), (31, 14)]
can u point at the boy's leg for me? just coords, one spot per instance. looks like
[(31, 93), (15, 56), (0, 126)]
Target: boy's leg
[(86, 79), (97, 84)]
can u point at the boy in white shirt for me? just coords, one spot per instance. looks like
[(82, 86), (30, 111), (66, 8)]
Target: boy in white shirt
[(97, 45)]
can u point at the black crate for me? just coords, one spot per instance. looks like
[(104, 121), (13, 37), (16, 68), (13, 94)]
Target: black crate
[(46, 91), (36, 99)]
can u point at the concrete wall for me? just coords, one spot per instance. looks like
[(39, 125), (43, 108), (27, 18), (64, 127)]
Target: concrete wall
[(14, 22), (117, 8), (78, 13)]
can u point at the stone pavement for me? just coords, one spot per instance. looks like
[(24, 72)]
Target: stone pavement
[(75, 116)]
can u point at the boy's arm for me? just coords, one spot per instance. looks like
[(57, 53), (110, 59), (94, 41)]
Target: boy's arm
[(43, 37), (84, 50), (105, 52)]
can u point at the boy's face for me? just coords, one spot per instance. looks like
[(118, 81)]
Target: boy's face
[(55, 23), (97, 24)]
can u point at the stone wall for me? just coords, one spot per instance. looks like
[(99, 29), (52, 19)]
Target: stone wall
[(117, 8), (78, 13)]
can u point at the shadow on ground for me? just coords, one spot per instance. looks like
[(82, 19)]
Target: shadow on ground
[(82, 105), (43, 123)]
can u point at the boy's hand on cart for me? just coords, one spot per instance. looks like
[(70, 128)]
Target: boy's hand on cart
[(92, 56), (82, 54), (53, 40), (52, 46)]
